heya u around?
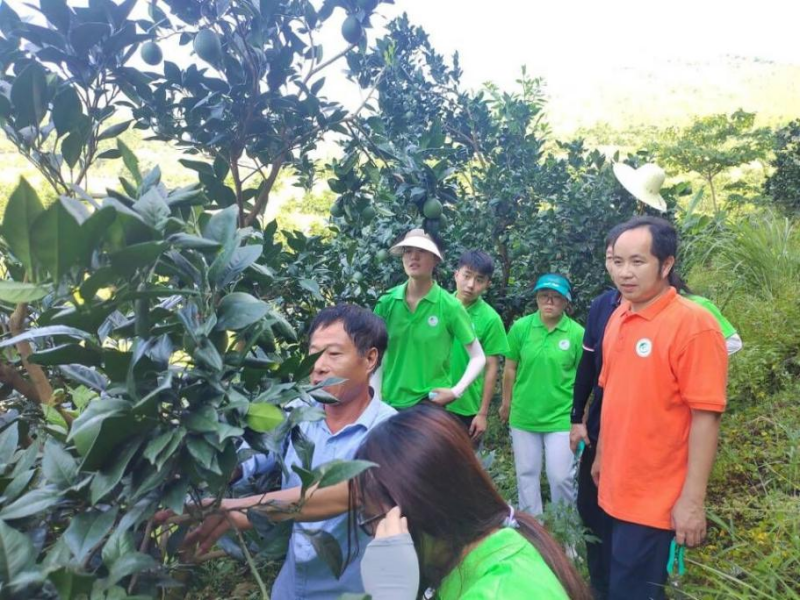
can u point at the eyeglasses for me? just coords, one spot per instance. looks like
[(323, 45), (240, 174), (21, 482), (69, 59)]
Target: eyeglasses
[(369, 525), (548, 298)]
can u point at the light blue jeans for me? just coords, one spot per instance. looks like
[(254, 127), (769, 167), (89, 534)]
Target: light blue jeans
[(559, 465)]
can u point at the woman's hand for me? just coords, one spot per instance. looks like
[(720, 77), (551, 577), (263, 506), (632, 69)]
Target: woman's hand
[(394, 523)]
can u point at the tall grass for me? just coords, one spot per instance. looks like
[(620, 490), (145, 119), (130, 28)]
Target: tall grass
[(761, 253)]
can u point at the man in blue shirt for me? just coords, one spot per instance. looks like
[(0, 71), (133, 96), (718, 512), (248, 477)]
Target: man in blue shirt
[(351, 341)]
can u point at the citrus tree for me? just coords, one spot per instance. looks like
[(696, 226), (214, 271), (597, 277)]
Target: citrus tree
[(146, 330)]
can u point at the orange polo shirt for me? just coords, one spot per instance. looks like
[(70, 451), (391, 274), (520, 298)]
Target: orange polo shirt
[(658, 365)]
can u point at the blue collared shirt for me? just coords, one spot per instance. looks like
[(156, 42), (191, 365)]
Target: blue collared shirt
[(304, 575)]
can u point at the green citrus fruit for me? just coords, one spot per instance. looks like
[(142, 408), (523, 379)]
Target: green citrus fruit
[(368, 214), (151, 53), (337, 210), (352, 30), (381, 255), (367, 5), (208, 46), (357, 277), (432, 209), (263, 417)]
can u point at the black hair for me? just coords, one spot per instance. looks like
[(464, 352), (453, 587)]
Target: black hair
[(613, 234), (664, 235), (478, 261), (663, 246), (365, 328)]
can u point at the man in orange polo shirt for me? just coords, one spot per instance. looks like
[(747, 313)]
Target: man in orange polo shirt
[(664, 376)]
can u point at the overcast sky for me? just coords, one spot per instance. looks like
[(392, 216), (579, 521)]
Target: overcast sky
[(569, 38)]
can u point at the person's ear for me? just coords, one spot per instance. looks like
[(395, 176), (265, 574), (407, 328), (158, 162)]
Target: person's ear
[(372, 360), (667, 266)]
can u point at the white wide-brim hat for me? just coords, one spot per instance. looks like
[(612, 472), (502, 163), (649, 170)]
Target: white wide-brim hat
[(416, 238), (643, 183)]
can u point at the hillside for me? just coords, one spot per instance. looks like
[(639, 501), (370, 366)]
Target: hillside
[(672, 92)]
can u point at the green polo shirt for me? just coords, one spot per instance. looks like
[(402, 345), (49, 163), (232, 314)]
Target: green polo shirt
[(547, 361), (504, 566), (727, 328), (417, 359), (488, 326)]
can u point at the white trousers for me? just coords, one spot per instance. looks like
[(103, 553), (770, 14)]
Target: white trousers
[(559, 464)]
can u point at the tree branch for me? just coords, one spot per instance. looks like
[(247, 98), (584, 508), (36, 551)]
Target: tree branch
[(16, 326)]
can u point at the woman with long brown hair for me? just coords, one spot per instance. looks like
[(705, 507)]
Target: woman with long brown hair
[(469, 542)]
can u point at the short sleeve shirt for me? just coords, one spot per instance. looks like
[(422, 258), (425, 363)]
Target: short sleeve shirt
[(504, 566), (417, 358), (727, 328), (541, 399), (658, 365), (304, 573), (488, 326)]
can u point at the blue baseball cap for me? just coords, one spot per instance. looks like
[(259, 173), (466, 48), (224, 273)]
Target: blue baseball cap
[(551, 281)]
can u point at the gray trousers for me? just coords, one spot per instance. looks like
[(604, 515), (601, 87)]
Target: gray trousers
[(559, 464)]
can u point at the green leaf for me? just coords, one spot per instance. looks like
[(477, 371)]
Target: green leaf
[(327, 548), (203, 452), (116, 547), (41, 332), (54, 240), (67, 109), (128, 565), (17, 553), (86, 428), (16, 292), (337, 471), (72, 146), (9, 439), (18, 485), (239, 310), (67, 354), (242, 257), (187, 241), (86, 35), (31, 503), (262, 417), (206, 354), (133, 257), (199, 166), (130, 160), (57, 12), (222, 225), (30, 96), (58, 465), (202, 420), (71, 585), (105, 480), (87, 529), (113, 130), (153, 210), (22, 210), (164, 446), (110, 154)]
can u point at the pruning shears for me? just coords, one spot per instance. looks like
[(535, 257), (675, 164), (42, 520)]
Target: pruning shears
[(676, 554)]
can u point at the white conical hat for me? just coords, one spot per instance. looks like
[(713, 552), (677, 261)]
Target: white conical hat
[(643, 183)]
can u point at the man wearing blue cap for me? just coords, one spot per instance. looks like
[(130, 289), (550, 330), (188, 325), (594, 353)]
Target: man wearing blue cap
[(545, 349)]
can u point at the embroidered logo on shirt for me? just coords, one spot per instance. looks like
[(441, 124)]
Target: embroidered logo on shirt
[(433, 320), (564, 344), (644, 347)]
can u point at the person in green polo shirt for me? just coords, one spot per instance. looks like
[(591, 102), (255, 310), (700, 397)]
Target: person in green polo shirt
[(539, 375), (473, 276), (423, 322)]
